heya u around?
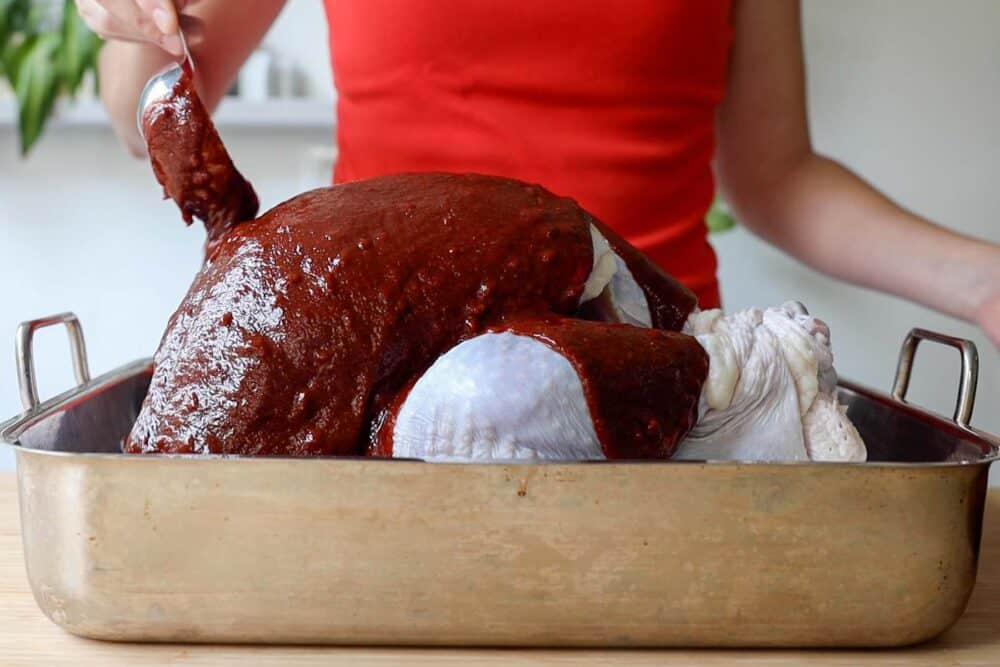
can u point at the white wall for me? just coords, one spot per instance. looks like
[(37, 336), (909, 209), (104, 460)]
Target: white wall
[(903, 92)]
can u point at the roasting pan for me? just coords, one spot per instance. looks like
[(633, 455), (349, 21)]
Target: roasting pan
[(363, 551)]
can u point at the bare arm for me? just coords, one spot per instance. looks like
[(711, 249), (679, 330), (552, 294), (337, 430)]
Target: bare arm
[(221, 34), (816, 209)]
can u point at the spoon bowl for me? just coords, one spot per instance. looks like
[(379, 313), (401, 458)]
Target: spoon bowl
[(158, 87), (161, 83)]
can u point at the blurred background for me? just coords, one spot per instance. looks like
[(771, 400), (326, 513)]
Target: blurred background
[(905, 92)]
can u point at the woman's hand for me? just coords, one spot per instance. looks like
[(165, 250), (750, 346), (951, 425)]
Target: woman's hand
[(988, 318), (145, 21), (144, 39)]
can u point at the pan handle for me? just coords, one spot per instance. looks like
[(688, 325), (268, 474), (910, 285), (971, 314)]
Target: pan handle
[(24, 351), (967, 381)]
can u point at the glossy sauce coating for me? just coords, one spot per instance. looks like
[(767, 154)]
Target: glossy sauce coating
[(306, 323), (642, 385), (670, 302), (193, 166)]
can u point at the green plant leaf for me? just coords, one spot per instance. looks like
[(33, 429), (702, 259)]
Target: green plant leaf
[(13, 20), (45, 51), (13, 56), (41, 16), (6, 20), (718, 217), (37, 86), (77, 50)]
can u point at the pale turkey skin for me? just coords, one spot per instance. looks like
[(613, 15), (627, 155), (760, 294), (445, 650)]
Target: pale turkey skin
[(469, 406), (770, 394), (612, 290), (771, 390)]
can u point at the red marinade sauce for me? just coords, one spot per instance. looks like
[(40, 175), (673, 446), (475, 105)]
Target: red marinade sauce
[(305, 324), (670, 302), (642, 385), (191, 163)]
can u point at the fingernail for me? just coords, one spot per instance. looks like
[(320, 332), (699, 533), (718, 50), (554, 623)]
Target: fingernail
[(164, 21), (172, 45)]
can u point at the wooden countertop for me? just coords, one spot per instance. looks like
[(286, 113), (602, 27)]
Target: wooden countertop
[(28, 637)]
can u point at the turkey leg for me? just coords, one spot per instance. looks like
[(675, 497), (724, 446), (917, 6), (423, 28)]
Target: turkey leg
[(552, 389), (191, 163)]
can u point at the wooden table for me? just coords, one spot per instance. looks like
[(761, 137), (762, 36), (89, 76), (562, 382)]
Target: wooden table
[(27, 637)]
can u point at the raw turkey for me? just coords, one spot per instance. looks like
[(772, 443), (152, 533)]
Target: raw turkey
[(457, 318), (770, 395), (771, 392)]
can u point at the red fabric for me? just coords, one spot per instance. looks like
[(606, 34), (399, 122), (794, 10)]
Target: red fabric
[(611, 103)]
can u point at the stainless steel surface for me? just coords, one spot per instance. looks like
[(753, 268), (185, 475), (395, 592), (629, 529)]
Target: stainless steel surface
[(162, 83), (187, 51), (967, 380), (158, 87), (192, 548), (24, 354)]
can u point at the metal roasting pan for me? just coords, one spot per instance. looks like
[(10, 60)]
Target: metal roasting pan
[(364, 551)]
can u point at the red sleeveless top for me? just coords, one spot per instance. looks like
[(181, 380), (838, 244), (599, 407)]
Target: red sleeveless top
[(611, 103)]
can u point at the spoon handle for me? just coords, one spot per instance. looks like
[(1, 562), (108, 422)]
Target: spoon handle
[(187, 52)]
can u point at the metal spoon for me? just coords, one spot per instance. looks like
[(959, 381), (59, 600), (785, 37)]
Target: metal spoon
[(160, 85)]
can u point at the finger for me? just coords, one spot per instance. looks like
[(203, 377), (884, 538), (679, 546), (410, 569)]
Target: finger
[(108, 27), (124, 20), (125, 17), (114, 30), (85, 8), (96, 17), (172, 44), (125, 11), (162, 12), (165, 20)]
